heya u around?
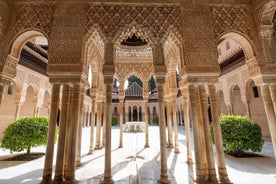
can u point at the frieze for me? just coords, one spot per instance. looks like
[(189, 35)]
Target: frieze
[(39, 16), (155, 19)]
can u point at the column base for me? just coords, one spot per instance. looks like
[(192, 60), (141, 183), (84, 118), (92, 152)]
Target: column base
[(164, 180), (46, 180), (200, 179), (78, 163), (170, 146), (90, 152), (58, 180), (147, 145), (120, 146), (98, 148), (189, 161), (107, 180), (224, 180), (73, 181), (176, 151), (213, 179)]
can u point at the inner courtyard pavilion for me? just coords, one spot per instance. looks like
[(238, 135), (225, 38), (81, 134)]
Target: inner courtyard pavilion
[(100, 41)]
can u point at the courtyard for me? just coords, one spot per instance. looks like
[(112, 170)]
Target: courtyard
[(134, 164)]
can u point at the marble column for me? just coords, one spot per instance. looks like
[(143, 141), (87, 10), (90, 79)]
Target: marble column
[(146, 123), (269, 96), (164, 170), (107, 169), (48, 163), (222, 172), (2, 87), (186, 108), (175, 124), (17, 110), (208, 140), (195, 115), (169, 120), (59, 171), (98, 129), (247, 108), (121, 111), (104, 124), (74, 120), (92, 125), (82, 115)]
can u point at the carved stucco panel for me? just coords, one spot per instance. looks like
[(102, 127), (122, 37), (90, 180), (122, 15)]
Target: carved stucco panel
[(155, 19), (39, 16)]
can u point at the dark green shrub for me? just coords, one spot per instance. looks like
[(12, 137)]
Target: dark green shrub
[(239, 134), (114, 121), (25, 133), (155, 120)]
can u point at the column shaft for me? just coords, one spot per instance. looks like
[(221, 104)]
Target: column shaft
[(200, 172), (104, 124), (175, 124), (17, 110), (99, 122), (223, 177), (147, 125), (82, 115), (169, 121), (59, 172), (186, 108), (2, 87), (74, 121), (268, 96), (92, 125), (164, 170), (107, 168), (48, 164), (208, 141), (121, 110)]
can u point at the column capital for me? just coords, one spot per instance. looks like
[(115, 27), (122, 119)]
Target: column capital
[(108, 79)]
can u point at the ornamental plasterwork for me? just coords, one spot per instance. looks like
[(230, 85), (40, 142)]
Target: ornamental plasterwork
[(142, 70), (153, 19), (227, 18), (130, 54), (39, 16)]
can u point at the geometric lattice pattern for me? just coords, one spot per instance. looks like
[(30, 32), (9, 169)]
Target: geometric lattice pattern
[(152, 18), (38, 16), (230, 18)]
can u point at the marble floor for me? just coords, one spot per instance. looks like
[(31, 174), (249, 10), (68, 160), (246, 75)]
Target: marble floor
[(133, 164)]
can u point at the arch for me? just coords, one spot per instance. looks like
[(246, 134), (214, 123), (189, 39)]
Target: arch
[(236, 100), (267, 13), (135, 114), (27, 106), (21, 39), (221, 103), (130, 29), (243, 41)]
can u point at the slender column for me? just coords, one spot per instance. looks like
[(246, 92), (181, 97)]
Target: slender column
[(247, 108), (121, 107), (164, 170), (175, 124), (99, 122), (92, 123), (2, 87), (48, 164), (82, 115), (230, 109), (146, 123), (169, 119), (223, 176), (17, 110), (268, 96), (75, 101), (185, 94), (104, 124), (59, 172), (107, 169), (200, 172), (208, 141)]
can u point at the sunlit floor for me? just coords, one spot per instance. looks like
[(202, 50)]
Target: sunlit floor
[(134, 164)]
